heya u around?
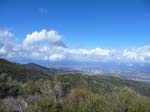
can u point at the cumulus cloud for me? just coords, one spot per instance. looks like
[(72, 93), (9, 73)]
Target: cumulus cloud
[(56, 57), (49, 45), (2, 51), (7, 42), (4, 33), (51, 37)]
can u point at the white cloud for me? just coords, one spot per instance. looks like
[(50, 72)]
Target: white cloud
[(7, 42), (51, 37), (56, 57), (4, 33), (49, 45), (2, 51)]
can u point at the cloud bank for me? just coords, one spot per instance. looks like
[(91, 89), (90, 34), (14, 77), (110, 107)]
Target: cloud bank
[(50, 46)]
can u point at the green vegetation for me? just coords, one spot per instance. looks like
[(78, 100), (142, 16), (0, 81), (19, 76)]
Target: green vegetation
[(71, 93), (34, 91), (20, 72)]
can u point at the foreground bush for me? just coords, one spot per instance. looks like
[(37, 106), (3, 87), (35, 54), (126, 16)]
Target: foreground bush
[(46, 95)]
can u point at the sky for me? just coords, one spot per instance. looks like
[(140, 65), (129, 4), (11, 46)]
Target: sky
[(80, 30)]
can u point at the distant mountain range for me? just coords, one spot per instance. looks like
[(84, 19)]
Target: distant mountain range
[(71, 77), (30, 71), (139, 72)]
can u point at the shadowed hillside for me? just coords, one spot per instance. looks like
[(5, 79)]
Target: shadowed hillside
[(20, 72)]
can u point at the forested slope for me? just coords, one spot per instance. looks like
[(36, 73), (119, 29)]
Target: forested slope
[(23, 89)]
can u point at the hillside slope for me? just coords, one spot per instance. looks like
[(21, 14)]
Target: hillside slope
[(100, 84), (97, 84), (20, 72), (24, 89)]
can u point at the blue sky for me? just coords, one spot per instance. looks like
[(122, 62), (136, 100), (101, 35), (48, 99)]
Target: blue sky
[(76, 30), (113, 24)]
